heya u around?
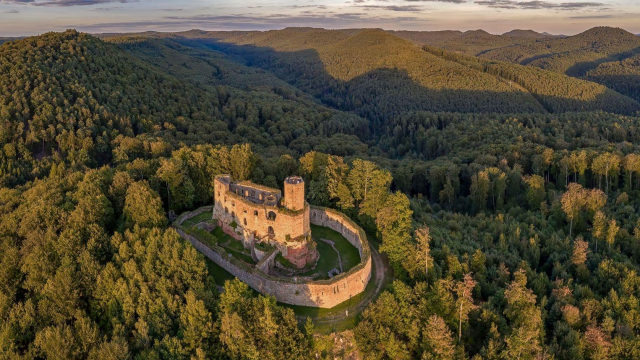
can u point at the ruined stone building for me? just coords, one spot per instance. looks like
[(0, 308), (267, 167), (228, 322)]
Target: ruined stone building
[(253, 213)]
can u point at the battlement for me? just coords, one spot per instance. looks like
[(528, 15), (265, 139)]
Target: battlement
[(255, 193), (293, 180), (251, 212)]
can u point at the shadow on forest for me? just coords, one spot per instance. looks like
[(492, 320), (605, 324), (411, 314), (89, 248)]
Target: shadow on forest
[(581, 68), (383, 94), (628, 85)]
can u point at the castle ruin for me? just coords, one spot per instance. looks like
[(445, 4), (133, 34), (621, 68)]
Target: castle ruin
[(257, 214)]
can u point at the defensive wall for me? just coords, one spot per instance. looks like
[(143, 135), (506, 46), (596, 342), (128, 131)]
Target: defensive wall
[(315, 293)]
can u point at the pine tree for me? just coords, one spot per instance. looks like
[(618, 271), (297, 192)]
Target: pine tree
[(438, 340)]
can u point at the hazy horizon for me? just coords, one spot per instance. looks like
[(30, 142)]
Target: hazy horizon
[(32, 17)]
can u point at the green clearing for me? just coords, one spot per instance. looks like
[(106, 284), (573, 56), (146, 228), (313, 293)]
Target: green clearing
[(336, 319), (200, 217), (222, 236), (218, 274), (328, 258), (232, 246)]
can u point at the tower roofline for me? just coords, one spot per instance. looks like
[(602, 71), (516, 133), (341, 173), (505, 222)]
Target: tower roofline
[(293, 180)]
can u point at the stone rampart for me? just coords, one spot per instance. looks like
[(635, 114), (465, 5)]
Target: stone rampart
[(318, 293), (267, 261)]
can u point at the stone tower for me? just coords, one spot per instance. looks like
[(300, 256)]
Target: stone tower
[(294, 193)]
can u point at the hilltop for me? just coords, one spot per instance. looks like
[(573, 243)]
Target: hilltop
[(504, 198), (357, 65), (74, 83), (472, 42), (530, 34), (374, 73), (571, 55), (599, 54)]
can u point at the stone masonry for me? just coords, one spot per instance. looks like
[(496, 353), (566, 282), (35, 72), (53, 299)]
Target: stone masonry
[(318, 293), (251, 213)]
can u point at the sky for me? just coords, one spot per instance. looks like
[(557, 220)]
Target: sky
[(31, 17)]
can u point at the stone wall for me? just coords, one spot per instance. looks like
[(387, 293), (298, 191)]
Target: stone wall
[(339, 222), (260, 219), (319, 293), (267, 261)]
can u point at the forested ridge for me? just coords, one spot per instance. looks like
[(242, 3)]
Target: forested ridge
[(375, 74), (557, 93), (380, 76), (603, 55), (512, 229), (472, 42)]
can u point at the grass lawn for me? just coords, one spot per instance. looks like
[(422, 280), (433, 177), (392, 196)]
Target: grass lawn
[(232, 246), (222, 236), (321, 316), (328, 258), (201, 217), (218, 274)]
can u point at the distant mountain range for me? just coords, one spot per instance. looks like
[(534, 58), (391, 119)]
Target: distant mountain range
[(379, 74), (359, 62)]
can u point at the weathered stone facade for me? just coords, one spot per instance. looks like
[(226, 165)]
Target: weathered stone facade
[(318, 293), (250, 212)]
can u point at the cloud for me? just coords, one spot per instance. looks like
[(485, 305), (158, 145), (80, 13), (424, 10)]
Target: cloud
[(11, 11), (407, 8), (307, 6), (63, 2), (253, 22), (604, 16), (443, 1), (107, 8), (537, 4)]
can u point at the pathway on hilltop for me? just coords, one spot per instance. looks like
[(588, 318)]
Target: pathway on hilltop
[(333, 245), (380, 275)]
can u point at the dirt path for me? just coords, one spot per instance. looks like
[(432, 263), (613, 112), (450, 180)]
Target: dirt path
[(337, 252), (380, 276)]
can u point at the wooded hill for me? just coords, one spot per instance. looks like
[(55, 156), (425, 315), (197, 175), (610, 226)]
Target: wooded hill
[(472, 42), (573, 55), (510, 235), (375, 74), (604, 55), (379, 76), (556, 92), (77, 97)]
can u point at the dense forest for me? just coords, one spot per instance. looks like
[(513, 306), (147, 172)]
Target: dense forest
[(472, 42), (504, 197), (604, 55)]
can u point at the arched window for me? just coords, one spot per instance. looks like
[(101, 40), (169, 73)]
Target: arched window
[(255, 213), (271, 215), (233, 214), (245, 222), (270, 232)]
